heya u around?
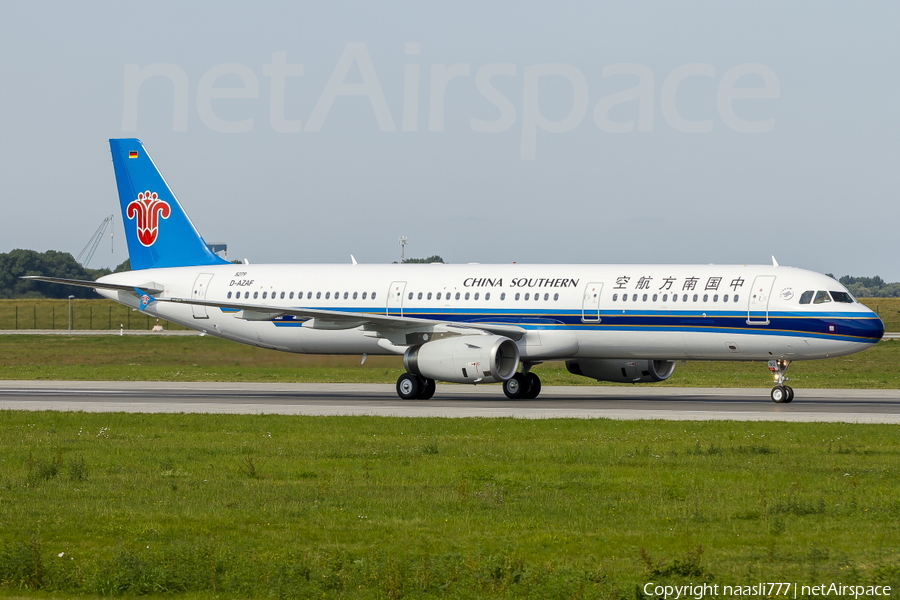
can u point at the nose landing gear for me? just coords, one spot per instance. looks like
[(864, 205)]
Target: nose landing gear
[(781, 394)]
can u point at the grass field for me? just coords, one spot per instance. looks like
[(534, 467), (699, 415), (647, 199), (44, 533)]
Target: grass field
[(194, 358), (86, 314), (230, 506)]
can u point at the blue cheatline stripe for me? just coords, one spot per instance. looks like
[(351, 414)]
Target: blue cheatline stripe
[(851, 327)]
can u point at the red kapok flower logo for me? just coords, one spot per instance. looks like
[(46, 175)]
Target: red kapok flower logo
[(147, 209)]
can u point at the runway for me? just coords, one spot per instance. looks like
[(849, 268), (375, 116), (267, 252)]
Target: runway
[(589, 402)]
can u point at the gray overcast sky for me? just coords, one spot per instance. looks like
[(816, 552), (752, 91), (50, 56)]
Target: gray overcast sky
[(372, 153)]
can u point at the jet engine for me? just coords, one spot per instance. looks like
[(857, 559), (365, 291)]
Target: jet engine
[(622, 370), (464, 359)]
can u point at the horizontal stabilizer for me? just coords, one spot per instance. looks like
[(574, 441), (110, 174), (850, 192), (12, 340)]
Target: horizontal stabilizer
[(150, 287)]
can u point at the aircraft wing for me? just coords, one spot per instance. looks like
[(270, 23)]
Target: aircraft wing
[(321, 319), (149, 287), (336, 319)]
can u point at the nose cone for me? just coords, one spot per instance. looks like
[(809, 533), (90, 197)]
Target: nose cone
[(870, 327)]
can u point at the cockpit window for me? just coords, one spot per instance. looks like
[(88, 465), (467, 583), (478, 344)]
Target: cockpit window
[(842, 297), (822, 297), (806, 297)]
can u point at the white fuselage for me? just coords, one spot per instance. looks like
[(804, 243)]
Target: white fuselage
[(674, 312)]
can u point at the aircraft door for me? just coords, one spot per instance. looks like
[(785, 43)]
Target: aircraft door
[(590, 303), (395, 298), (199, 293), (758, 302)]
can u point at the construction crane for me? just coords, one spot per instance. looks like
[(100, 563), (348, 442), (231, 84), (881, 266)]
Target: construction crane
[(92, 244)]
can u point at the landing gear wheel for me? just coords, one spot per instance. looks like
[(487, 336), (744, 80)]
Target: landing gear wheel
[(534, 386), (515, 387), (782, 394), (409, 386), (428, 387)]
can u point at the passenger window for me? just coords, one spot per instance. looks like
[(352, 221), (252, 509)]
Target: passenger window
[(674, 297), (546, 296), (822, 297), (487, 296), (537, 297), (282, 295), (725, 298), (806, 297), (655, 296), (684, 298), (644, 298), (429, 295), (555, 296), (255, 295), (373, 295), (634, 297), (327, 295), (354, 295), (364, 296), (318, 295), (735, 299), (527, 295), (467, 295), (715, 297), (517, 295), (346, 295), (665, 297), (476, 295), (264, 296), (842, 297), (457, 295), (706, 297), (229, 295), (615, 297), (439, 296), (410, 295), (695, 297), (503, 295), (419, 296)]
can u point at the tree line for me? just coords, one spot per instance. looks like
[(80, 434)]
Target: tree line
[(870, 287), (53, 263)]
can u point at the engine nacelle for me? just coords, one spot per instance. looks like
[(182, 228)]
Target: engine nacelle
[(464, 359), (622, 370)]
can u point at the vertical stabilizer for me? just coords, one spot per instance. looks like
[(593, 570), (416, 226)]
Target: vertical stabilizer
[(158, 231)]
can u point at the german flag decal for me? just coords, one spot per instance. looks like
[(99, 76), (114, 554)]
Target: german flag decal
[(132, 154)]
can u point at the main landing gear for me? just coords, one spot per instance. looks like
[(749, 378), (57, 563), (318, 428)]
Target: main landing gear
[(782, 394), (523, 386), (415, 387)]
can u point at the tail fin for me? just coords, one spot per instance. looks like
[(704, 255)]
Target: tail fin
[(159, 232)]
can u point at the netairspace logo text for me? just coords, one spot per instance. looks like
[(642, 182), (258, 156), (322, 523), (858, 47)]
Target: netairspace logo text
[(787, 590), (355, 74)]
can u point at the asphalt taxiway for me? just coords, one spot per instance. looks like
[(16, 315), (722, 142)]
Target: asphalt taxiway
[(620, 402)]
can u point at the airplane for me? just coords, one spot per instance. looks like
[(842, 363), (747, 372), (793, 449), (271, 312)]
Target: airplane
[(478, 323)]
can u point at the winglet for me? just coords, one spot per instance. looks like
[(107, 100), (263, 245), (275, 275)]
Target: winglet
[(145, 298), (774, 262)]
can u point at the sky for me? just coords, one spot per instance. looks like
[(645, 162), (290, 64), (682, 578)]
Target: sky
[(492, 132)]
